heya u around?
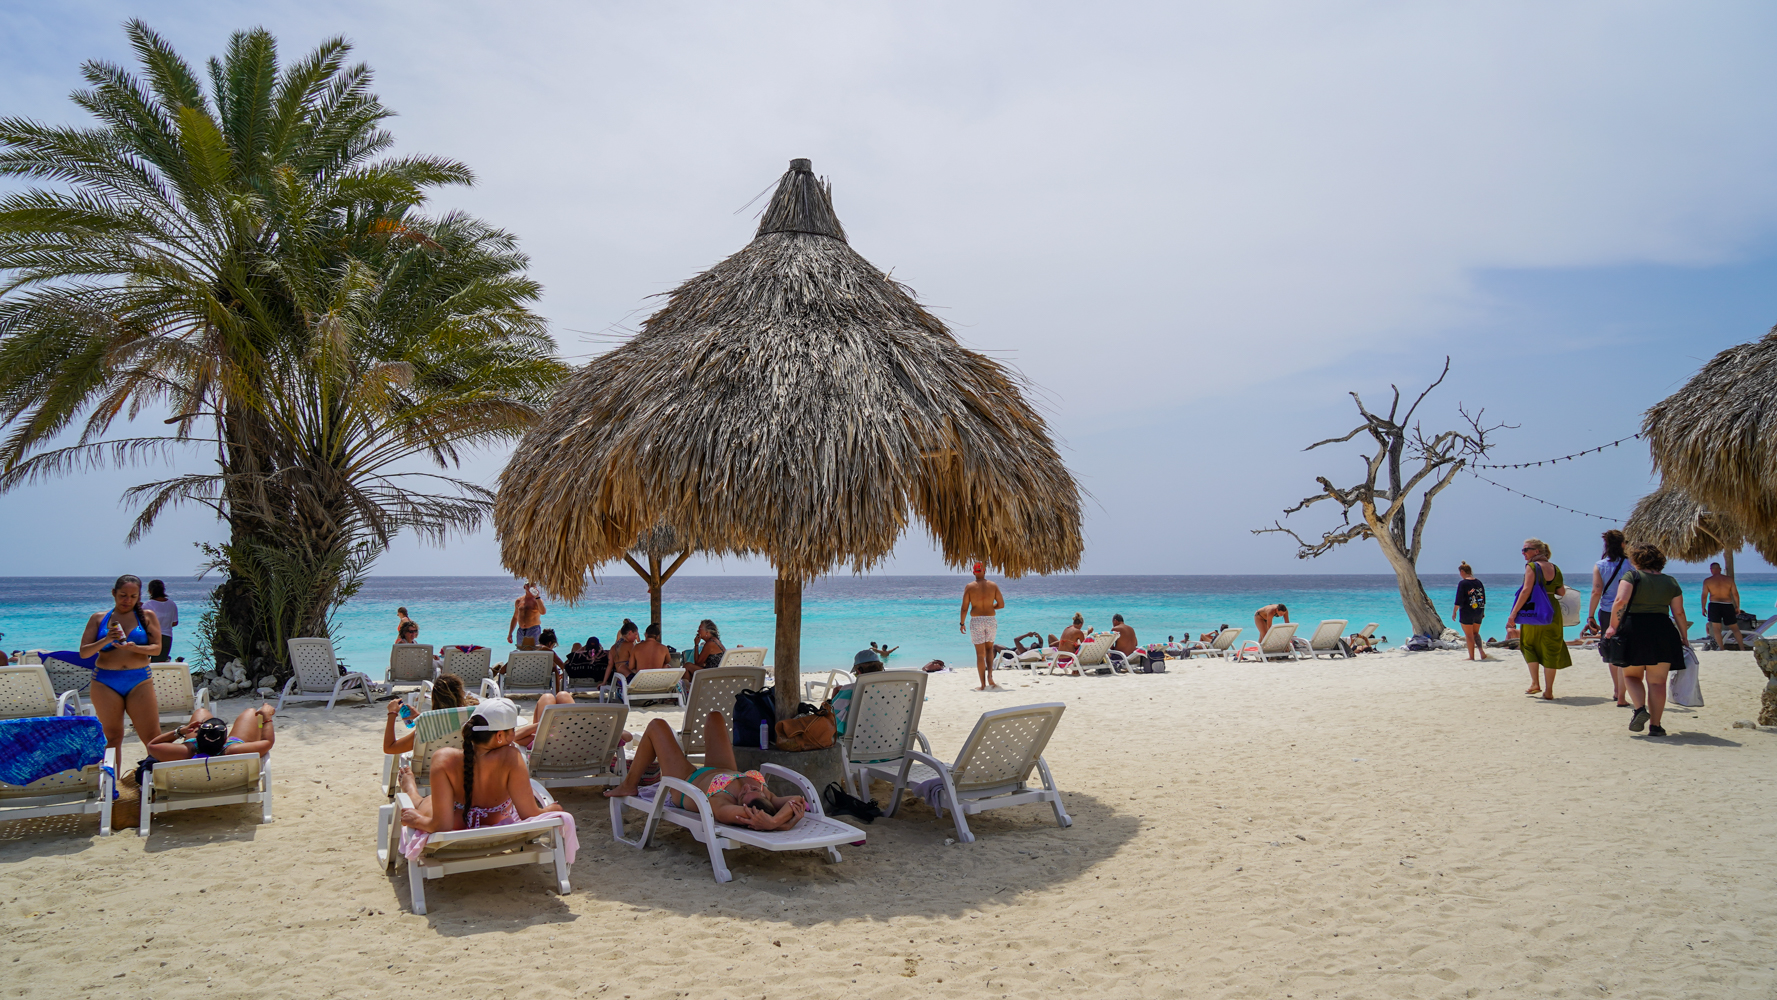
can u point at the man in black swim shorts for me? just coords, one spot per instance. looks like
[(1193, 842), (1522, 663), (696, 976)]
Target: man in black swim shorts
[(1721, 605)]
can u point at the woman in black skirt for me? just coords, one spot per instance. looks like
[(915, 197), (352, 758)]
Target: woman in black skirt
[(1647, 606)]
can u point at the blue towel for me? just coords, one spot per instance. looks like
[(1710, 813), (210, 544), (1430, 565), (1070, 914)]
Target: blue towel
[(70, 656), (37, 748)]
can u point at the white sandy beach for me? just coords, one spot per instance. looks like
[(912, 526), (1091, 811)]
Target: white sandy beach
[(1394, 826)]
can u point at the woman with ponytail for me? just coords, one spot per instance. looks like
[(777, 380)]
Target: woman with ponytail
[(486, 783), (120, 642)]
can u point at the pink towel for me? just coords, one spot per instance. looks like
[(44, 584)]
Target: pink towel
[(413, 841)]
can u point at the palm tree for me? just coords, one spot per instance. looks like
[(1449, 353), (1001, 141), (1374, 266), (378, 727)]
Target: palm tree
[(205, 251)]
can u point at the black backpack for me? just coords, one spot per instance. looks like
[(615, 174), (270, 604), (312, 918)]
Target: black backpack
[(753, 709)]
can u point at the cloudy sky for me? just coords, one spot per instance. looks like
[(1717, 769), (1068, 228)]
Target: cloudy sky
[(1195, 227)]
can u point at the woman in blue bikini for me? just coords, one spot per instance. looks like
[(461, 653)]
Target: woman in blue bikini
[(124, 639)]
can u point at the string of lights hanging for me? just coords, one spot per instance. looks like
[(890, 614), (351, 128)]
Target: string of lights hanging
[(1540, 500), (1563, 458)]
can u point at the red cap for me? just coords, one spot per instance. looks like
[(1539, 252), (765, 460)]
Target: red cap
[(980, 567)]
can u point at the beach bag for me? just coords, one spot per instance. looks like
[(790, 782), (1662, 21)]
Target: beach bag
[(813, 731), (1156, 659), (1420, 644), (933, 667), (1683, 686), (1538, 610), (753, 709), (1570, 608)]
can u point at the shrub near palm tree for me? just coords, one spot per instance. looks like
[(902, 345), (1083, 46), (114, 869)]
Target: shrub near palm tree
[(243, 258)]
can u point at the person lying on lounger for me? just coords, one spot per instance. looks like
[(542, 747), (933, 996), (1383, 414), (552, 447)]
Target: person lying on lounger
[(487, 783), (207, 736), (738, 798)]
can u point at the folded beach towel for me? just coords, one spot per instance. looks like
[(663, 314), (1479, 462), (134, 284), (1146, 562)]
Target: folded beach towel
[(466, 649), (413, 842), (37, 748), (70, 656), (932, 790)]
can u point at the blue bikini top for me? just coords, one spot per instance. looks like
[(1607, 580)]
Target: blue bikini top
[(137, 635)]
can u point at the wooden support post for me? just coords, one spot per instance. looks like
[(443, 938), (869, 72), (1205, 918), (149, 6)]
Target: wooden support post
[(787, 654)]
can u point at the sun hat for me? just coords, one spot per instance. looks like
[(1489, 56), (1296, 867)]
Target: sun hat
[(866, 656), (500, 714)]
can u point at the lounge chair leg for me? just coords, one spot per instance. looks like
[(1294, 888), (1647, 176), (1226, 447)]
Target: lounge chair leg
[(147, 811), (1061, 816), (265, 789), (561, 862), (962, 823), (387, 837), (416, 884), (833, 853), (719, 864)]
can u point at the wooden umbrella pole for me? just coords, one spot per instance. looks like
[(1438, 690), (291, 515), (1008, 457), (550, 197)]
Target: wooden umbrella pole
[(787, 654), (1727, 561)]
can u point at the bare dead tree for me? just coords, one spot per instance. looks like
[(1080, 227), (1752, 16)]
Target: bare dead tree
[(1405, 460)]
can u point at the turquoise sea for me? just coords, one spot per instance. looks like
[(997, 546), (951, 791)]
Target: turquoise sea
[(840, 614)]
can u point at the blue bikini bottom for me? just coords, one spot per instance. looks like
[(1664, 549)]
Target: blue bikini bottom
[(122, 681)]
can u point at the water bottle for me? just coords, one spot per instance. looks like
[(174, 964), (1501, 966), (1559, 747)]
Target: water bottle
[(764, 735)]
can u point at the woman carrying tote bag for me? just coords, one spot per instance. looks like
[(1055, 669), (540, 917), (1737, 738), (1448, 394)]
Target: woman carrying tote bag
[(1649, 614), (1537, 614)]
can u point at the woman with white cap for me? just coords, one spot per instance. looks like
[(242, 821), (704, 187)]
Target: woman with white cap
[(487, 783)]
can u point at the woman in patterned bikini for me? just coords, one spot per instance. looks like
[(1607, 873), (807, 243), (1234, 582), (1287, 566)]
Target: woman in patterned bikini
[(738, 798)]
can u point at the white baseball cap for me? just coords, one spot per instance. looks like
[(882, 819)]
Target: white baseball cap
[(500, 714)]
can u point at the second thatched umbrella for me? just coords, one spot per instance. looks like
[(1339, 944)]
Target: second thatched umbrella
[(1716, 438), (1684, 529), (792, 402)]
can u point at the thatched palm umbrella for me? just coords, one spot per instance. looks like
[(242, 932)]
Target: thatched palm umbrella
[(1684, 529), (656, 546), (792, 402), (1716, 438)]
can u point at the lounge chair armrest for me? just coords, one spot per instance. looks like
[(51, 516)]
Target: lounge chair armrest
[(202, 697), (808, 793), (488, 684), (69, 703), (924, 744), (930, 761)]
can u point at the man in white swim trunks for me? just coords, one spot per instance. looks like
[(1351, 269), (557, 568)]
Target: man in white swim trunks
[(980, 600)]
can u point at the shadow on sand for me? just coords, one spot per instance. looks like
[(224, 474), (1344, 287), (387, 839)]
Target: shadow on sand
[(1017, 850)]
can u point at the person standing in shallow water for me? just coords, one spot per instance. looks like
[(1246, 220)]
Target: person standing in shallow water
[(1543, 645), (981, 599)]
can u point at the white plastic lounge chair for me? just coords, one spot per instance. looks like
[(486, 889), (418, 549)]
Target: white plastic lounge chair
[(1328, 639), (579, 745), (175, 694), (314, 670), (236, 779), (815, 832), (440, 727), (646, 685), (1365, 639), (1279, 644), (880, 728), (535, 841), (815, 692), (26, 693), (1093, 650), (713, 690), (744, 656), (474, 668), (410, 665), (66, 793), (528, 671), (1220, 645), (1005, 659), (994, 766), (65, 676)]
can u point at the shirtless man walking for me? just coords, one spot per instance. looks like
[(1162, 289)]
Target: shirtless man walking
[(527, 617), (980, 600), (1721, 605), (1262, 617)]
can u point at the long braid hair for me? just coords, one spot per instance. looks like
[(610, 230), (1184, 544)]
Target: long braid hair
[(471, 739)]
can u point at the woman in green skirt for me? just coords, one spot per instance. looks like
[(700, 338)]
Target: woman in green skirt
[(1541, 644)]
